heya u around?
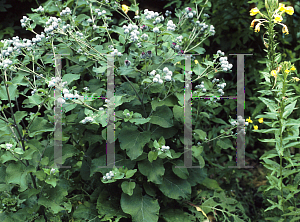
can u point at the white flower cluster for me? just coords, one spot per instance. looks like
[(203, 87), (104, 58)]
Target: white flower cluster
[(6, 63), (156, 30), (100, 13), (144, 36), (219, 52), (40, 9), (52, 82), (89, 20), (108, 176), (201, 86), (87, 119), (225, 64), (179, 39), (168, 74), (158, 20), (66, 11), (168, 13), (8, 146), (134, 31), (215, 80), (150, 14), (157, 79), (116, 52), (54, 24), (171, 26), (203, 26), (163, 148), (68, 95), (24, 21)]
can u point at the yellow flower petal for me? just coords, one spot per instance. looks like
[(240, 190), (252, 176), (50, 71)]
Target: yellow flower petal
[(285, 29), (293, 68), (287, 71), (125, 8), (255, 127), (278, 18), (257, 28), (289, 10), (274, 73), (254, 11), (281, 7), (196, 61), (261, 120), (249, 120)]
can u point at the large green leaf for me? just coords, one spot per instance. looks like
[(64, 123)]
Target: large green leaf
[(162, 117), (39, 126), (133, 141), (141, 208), (153, 171)]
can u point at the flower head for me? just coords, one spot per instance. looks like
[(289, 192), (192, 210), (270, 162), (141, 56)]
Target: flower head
[(289, 10), (196, 61), (125, 8), (277, 18), (249, 120), (254, 11), (285, 29), (287, 71), (257, 28), (261, 120), (281, 7), (293, 68), (274, 73), (255, 127)]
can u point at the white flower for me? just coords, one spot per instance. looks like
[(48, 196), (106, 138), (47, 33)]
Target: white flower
[(157, 76), (101, 108), (65, 91), (52, 171), (61, 100), (168, 78), (152, 73), (160, 81), (166, 70), (169, 73), (155, 80), (155, 30), (8, 146)]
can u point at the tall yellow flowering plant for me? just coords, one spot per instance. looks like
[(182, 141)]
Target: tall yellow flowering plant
[(285, 175)]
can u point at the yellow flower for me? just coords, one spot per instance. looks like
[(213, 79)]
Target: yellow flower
[(277, 18), (287, 71), (125, 8), (285, 29), (255, 127), (274, 73), (196, 62), (252, 23), (254, 11), (249, 120), (257, 28), (295, 79), (293, 68), (281, 7), (261, 120), (289, 10)]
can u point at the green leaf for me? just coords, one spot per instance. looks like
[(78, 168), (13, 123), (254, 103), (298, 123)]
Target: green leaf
[(153, 171), (174, 187), (13, 92), (269, 103), (211, 184), (152, 156), (127, 187), (39, 126), (224, 143), (162, 117), (70, 77), (141, 208), (180, 172), (133, 141), (199, 50), (200, 133), (289, 109), (130, 173), (121, 39)]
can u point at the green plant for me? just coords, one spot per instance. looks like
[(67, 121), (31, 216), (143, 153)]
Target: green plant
[(148, 186), (283, 180)]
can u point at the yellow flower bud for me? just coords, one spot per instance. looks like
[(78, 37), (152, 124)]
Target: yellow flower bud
[(254, 11), (293, 68), (261, 120), (255, 127), (257, 28), (285, 29)]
